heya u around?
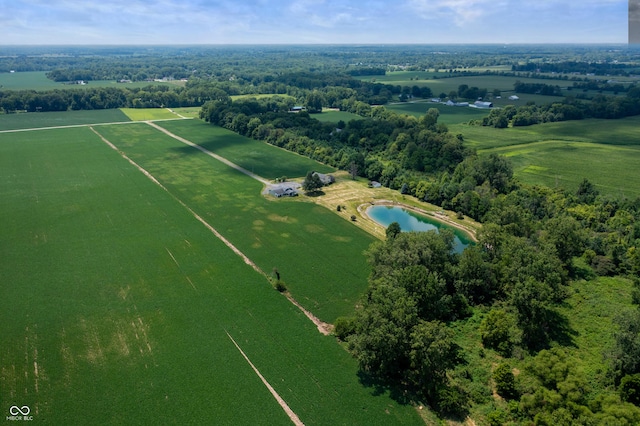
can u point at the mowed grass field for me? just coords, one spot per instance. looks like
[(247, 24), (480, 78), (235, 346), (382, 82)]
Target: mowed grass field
[(607, 152), (118, 302)]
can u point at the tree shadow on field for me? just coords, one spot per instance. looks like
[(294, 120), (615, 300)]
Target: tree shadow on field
[(380, 387), (314, 193), (555, 329)]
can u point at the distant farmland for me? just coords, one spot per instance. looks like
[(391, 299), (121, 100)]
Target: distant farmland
[(124, 303), (37, 80), (606, 152), (448, 114)]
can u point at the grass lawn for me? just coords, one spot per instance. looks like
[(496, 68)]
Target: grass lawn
[(123, 301), (33, 120), (604, 151)]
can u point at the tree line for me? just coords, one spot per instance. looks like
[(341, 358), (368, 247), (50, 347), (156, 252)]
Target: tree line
[(600, 106)]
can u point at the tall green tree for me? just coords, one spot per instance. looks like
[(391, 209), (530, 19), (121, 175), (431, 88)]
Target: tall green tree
[(312, 182)]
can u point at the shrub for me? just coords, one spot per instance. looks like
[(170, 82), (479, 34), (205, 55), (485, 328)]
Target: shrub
[(344, 327), (497, 330), (280, 286), (452, 401), (353, 217), (630, 389), (505, 381)]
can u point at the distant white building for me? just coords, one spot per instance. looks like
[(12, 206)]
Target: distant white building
[(513, 98), (481, 104), (458, 104)]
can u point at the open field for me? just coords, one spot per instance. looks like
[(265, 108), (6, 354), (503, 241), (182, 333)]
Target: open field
[(448, 114), (33, 80), (447, 84), (334, 116), (260, 96), (142, 114), (37, 80), (305, 242), (258, 157), (122, 301), (188, 112), (33, 120), (606, 152)]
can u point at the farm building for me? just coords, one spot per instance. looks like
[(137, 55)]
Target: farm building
[(325, 179), (297, 109), (457, 104), (514, 98), (283, 192), (481, 104)]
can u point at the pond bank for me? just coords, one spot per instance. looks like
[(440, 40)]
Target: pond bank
[(436, 216)]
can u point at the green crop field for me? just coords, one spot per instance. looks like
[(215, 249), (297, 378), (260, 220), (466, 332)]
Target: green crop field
[(118, 302), (259, 157), (318, 254), (33, 120), (33, 80), (606, 152)]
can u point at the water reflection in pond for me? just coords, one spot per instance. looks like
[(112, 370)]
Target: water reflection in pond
[(410, 221)]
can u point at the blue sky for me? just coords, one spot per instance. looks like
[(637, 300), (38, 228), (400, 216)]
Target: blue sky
[(312, 21)]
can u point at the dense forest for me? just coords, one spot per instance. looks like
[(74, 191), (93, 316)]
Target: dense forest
[(536, 245)]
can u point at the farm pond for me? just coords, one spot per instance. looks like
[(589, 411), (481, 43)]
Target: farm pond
[(410, 221)]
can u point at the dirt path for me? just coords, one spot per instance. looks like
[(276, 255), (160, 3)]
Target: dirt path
[(293, 416)]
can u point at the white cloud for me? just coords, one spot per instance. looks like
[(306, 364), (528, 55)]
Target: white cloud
[(460, 12), (465, 12)]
